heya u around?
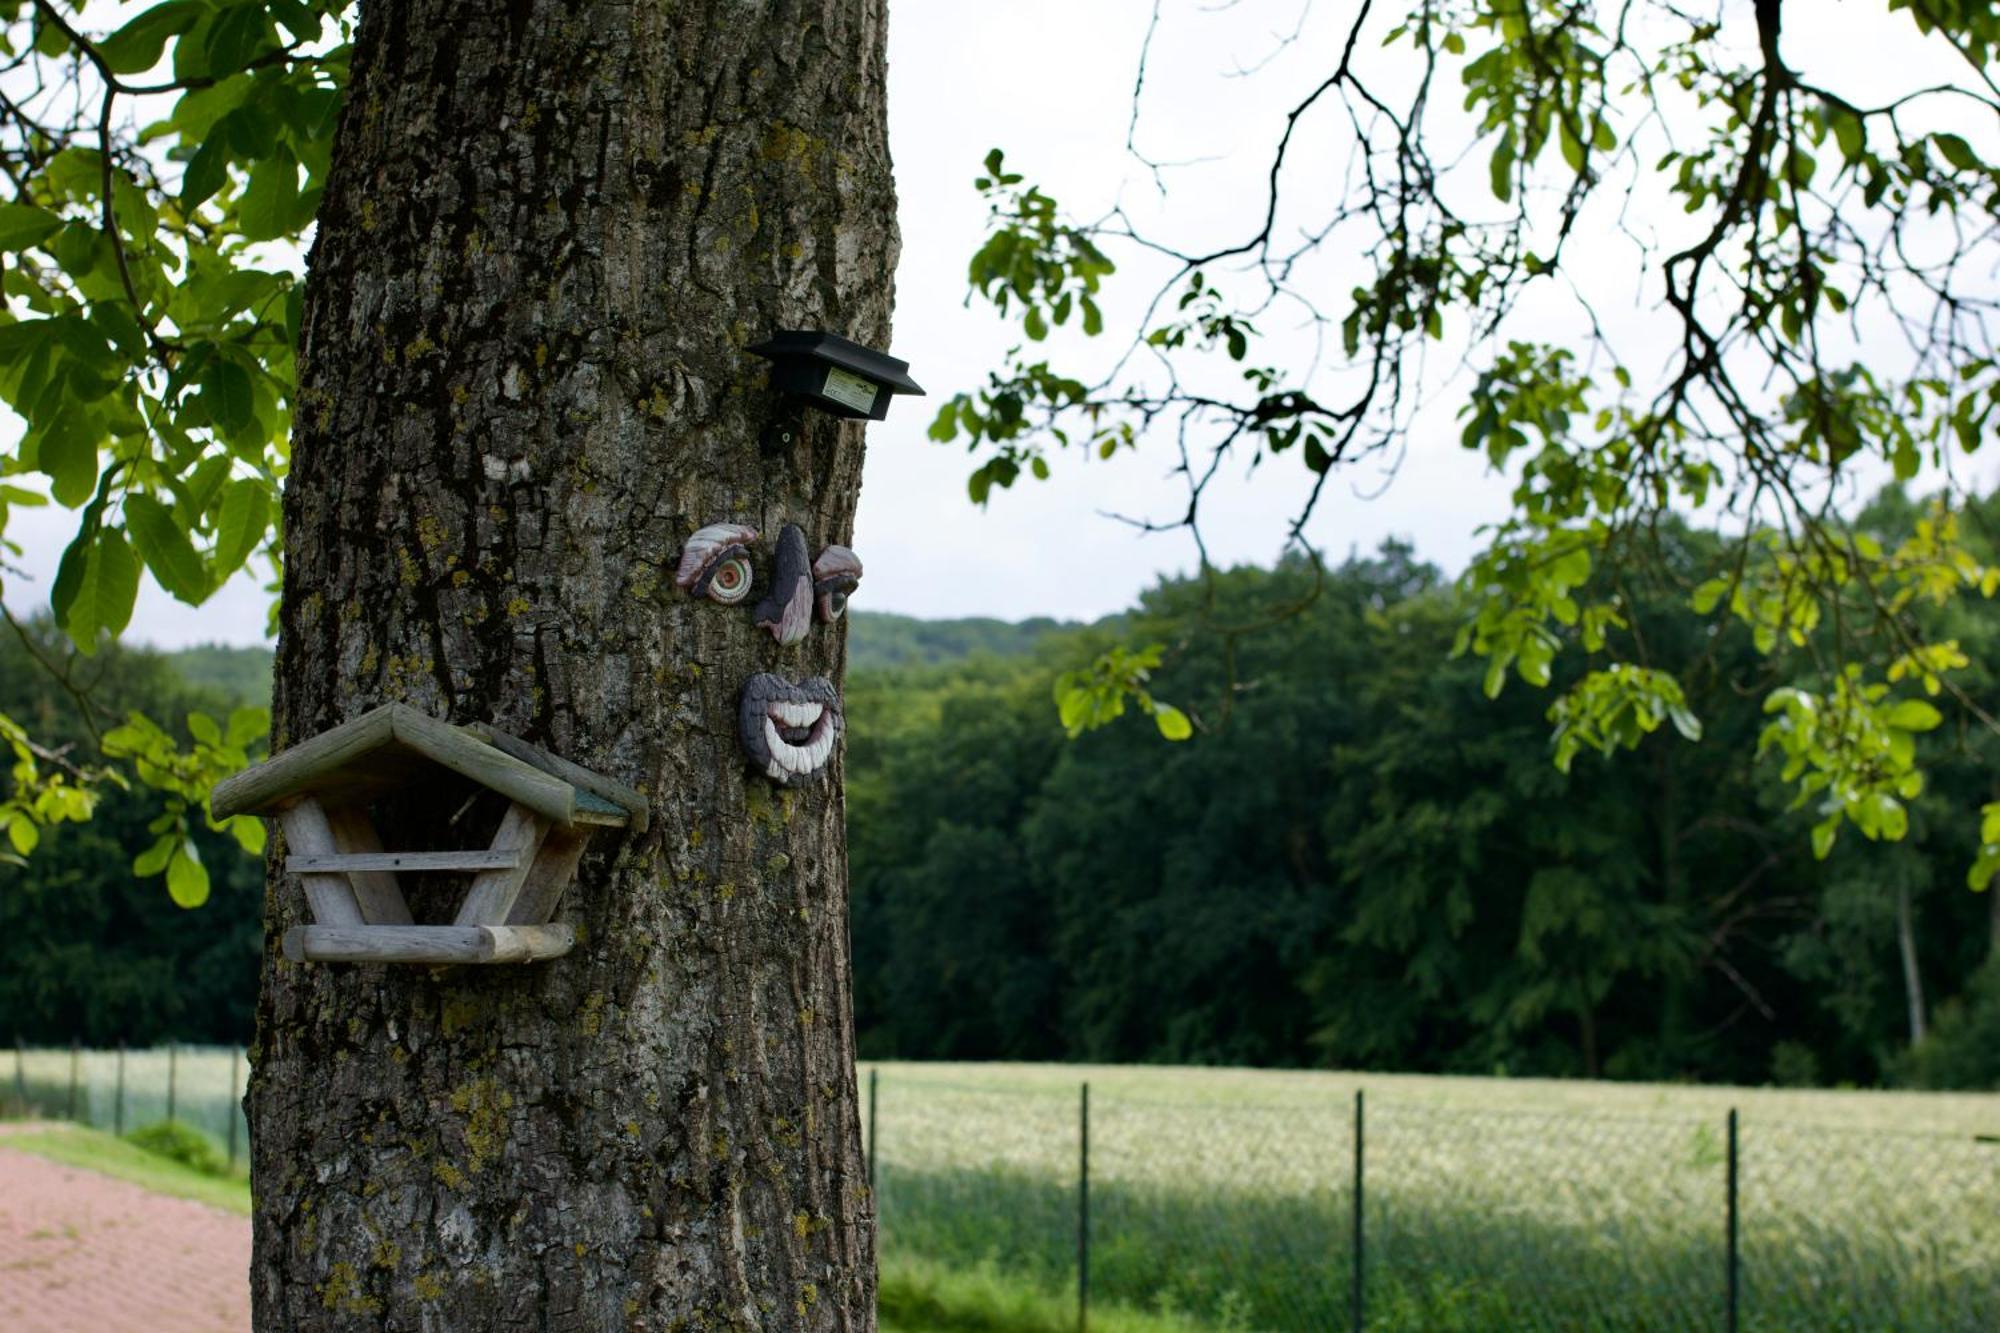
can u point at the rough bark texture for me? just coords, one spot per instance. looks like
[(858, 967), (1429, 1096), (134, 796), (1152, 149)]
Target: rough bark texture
[(550, 232)]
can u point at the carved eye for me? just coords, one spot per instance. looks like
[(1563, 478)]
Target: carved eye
[(716, 563), (729, 580), (836, 574)]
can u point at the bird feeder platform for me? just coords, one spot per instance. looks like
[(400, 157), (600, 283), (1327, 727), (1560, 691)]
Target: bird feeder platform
[(320, 790)]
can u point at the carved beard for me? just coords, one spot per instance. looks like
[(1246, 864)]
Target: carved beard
[(789, 731), (787, 609)]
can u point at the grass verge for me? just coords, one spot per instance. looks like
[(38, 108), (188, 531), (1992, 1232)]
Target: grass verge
[(94, 1150), (917, 1296)]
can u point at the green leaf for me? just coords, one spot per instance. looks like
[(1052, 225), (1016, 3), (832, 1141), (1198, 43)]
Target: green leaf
[(136, 47), (298, 18), (66, 449), (164, 545), (248, 832), (225, 389), (1073, 707), (105, 591), (234, 40), (1172, 722), (187, 877), (1913, 715), (206, 173), (49, 39), (1572, 147), (76, 174), (1980, 877), (944, 427), (1848, 132), (1891, 818), (270, 204), (1501, 168), (240, 526), (115, 320), (23, 225), (154, 859), (1822, 839), (1957, 152), (204, 728)]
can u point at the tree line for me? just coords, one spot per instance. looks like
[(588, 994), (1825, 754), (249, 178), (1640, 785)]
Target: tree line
[(1360, 860), (1363, 861)]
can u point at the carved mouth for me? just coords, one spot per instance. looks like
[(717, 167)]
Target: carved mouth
[(789, 731)]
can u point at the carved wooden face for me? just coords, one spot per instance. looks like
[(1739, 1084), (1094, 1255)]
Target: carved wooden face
[(789, 731)]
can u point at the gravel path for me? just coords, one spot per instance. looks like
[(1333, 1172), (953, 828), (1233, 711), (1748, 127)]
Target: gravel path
[(84, 1253)]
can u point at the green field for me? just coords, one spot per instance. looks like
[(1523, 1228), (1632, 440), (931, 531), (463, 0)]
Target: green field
[(1222, 1199)]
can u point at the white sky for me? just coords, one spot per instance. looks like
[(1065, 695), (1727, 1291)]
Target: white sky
[(1051, 82)]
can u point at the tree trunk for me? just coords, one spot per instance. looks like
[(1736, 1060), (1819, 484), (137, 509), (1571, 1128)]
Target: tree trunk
[(550, 232), (1993, 925), (1913, 977)]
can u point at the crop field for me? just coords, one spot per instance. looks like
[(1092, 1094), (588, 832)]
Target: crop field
[(1224, 1199), (1226, 1196)]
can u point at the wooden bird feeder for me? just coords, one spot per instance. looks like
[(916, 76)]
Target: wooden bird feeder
[(320, 791)]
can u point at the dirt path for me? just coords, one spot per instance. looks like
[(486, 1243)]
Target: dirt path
[(83, 1253)]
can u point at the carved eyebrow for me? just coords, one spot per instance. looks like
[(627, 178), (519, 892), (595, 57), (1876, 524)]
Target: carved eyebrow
[(787, 608), (716, 563), (836, 574)]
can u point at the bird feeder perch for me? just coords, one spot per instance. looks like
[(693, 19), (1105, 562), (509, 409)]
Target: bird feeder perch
[(320, 791), (835, 374)]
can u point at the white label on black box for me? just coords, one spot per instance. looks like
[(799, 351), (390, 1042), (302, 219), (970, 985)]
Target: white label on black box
[(849, 390)]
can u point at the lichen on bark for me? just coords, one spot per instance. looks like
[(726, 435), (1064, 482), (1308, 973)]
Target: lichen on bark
[(549, 234)]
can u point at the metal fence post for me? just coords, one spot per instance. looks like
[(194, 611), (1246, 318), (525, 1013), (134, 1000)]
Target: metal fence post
[(1083, 1212), (118, 1113), (173, 1070), (1357, 1294), (873, 1076), (235, 1073), (75, 1059), (1735, 1257)]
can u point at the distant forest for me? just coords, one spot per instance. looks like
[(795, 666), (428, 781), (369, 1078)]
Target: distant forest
[(1359, 861)]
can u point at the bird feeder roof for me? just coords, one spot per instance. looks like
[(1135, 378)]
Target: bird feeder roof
[(395, 746)]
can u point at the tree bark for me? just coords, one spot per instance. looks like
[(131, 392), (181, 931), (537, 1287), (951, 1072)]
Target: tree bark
[(549, 234)]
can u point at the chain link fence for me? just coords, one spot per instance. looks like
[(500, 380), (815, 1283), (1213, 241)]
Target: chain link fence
[(122, 1090), (1398, 1214)]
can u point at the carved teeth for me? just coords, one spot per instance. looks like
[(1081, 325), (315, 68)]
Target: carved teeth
[(793, 760), (789, 731), (796, 715)]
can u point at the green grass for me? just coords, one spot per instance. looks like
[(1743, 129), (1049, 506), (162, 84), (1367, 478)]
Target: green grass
[(94, 1150), (917, 1296)]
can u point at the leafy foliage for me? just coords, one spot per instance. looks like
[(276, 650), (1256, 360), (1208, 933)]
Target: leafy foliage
[(1775, 225), (147, 336), (180, 1142), (88, 951)]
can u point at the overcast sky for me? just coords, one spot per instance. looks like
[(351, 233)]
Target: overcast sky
[(1051, 82)]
